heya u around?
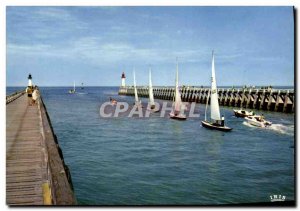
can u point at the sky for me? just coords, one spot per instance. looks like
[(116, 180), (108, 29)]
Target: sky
[(94, 45)]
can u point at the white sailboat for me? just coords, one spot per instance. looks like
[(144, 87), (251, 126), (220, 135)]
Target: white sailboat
[(178, 109), (151, 96), (137, 101), (72, 91), (216, 121)]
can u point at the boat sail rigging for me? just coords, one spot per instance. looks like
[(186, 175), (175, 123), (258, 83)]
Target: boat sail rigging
[(207, 100), (151, 97), (177, 111), (216, 121), (72, 91), (137, 102), (214, 103)]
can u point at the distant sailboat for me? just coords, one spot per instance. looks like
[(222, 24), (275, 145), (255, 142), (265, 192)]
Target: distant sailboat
[(177, 111), (82, 86), (216, 121), (151, 96), (137, 101), (72, 91)]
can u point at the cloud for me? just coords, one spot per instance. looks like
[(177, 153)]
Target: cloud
[(52, 14), (96, 51), (34, 24)]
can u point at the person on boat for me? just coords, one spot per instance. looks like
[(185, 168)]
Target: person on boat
[(216, 123), (29, 91), (113, 101), (222, 121)]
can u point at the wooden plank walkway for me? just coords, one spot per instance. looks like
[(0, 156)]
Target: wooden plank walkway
[(26, 164)]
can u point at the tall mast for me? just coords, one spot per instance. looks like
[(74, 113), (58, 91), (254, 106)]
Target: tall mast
[(214, 103), (135, 90), (151, 97), (207, 102)]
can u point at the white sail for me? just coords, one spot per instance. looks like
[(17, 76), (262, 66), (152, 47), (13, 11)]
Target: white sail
[(208, 95), (214, 104), (135, 90), (151, 97), (74, 87), (178, 102)]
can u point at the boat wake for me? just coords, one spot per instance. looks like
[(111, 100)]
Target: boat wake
[(248, 124), (280, 128), (288, 130)]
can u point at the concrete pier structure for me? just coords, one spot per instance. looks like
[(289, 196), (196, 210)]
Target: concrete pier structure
[(261, 99), (35, 170)]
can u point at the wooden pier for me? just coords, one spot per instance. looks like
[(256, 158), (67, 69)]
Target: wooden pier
[(261, 99), (35, 170)]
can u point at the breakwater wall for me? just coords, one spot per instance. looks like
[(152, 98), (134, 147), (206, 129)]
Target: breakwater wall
[(279, 100)]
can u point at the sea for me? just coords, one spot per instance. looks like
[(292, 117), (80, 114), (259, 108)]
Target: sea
[(160, 161)]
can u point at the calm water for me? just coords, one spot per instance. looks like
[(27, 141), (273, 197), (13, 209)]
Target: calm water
[(144, 161)]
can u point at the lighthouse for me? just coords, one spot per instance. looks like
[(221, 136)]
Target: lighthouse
[(29, 80), (123, 79)]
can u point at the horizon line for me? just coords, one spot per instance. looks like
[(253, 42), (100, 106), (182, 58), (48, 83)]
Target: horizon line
[(147, 85)]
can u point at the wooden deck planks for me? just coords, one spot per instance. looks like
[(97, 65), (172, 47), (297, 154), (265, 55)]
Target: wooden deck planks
[(25, 164)]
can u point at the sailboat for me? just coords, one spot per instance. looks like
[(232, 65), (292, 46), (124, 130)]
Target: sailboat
[(216, 122), (72, 91), (178, 109), (151, 96), (137, 101)]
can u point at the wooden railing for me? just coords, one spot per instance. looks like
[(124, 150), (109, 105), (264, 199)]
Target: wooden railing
[(14, 96)]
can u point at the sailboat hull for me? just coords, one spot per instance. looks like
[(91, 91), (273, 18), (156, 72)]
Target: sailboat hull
[(209, 125), (138, 104), (178, 117), (153, 110)]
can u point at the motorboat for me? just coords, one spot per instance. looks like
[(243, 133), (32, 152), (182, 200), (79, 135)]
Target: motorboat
[(243, 113), (258, 121)]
